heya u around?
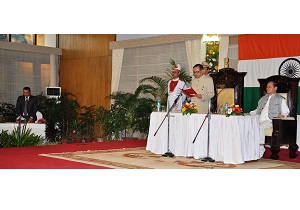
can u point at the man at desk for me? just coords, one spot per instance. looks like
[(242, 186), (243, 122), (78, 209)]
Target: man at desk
[(27, 106), (175, 87), (272, 105), (204, 87)]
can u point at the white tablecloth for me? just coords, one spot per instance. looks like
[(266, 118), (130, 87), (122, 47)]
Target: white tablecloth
[(233, 139), (37, 129)]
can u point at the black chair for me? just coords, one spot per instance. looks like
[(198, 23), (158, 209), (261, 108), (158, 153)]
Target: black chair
[(229, 87), (284, 131)]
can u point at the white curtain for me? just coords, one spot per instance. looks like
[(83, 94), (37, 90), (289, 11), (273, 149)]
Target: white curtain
[(117, 59), (223, 50), (194, 52)]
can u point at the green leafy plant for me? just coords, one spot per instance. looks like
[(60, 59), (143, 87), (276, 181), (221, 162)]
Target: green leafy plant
[(66, 114), (87, 120), (101, 119), (49, 108), (130, 110), (20, 137), (158, 86), (8, 112)]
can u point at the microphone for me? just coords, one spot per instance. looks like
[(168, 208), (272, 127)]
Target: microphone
[(176, 100)]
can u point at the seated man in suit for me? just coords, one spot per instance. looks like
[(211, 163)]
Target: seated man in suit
[(272, 105), (27, 106)]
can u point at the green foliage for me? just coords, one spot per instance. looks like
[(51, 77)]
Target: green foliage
[(87, 120), (67, 107), (158, 87), (61, 114), (20, 137), (8, 111), (48, 107), (128, 113), (101, 119), (212, 56)]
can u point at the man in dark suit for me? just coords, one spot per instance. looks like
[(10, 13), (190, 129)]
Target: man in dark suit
[(27, 106)]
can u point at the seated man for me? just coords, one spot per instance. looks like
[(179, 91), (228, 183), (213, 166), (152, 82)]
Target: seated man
[(27, 106), (175, 87), (272, 105)]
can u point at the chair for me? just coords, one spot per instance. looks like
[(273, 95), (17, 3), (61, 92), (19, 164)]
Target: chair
[(284, 131), (39, 115), (229, 87)]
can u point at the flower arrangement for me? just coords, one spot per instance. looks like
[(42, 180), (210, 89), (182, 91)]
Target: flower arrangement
[(189, 108), (234, 109), (41, 121), (212, 56)]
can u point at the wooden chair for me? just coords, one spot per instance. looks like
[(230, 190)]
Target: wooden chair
[(284, 131), (229, 87)]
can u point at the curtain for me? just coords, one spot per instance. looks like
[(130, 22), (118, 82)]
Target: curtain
[(117, 59), (194, 53), (223, 50)]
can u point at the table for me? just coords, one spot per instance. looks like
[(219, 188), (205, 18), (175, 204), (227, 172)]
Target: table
[(37, 129), (232, 140)]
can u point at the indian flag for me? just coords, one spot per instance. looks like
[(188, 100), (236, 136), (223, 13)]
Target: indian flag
[(264, 55)]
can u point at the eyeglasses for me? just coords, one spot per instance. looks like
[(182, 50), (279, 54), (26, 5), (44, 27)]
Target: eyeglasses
[(196, 72)]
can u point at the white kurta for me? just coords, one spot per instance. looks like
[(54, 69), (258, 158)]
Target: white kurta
[(264, 121), (173, 95)]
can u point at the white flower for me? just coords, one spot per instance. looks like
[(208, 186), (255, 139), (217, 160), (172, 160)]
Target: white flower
[(229, 111)]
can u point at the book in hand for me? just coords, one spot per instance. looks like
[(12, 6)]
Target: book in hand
[(189, 92)]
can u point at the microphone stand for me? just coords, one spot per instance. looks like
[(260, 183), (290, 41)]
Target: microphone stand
[(168, 153), (208, 116)]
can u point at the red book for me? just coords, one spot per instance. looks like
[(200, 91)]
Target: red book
[(189, 92)]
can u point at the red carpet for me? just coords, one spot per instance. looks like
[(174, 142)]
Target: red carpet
[(283, 155), (29, 158)]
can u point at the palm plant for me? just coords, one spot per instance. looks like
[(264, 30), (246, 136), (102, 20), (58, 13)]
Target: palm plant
[(67, 113), (48, 107), (132, 110), (158, 86), (87, 120)]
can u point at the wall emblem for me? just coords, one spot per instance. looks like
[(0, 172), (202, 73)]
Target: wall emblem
[(290, 68)]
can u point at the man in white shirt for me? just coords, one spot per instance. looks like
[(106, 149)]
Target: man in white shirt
[(175, 87), (272, 105)]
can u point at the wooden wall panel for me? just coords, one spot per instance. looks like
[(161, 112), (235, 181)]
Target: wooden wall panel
[(86, 67)]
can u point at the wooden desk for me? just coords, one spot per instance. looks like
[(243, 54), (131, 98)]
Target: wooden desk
[(233, 139)]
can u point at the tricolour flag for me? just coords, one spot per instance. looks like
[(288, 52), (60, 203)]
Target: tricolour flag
[(265, 55)]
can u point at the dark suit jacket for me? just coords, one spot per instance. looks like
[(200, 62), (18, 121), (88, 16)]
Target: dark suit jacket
[(31, 109)]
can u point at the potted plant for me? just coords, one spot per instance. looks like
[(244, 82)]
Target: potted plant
[(87, 121), (77, 132), (48, 107), (134, 110), (158, 86), (101, 120), (67, 114), (8, 112)]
